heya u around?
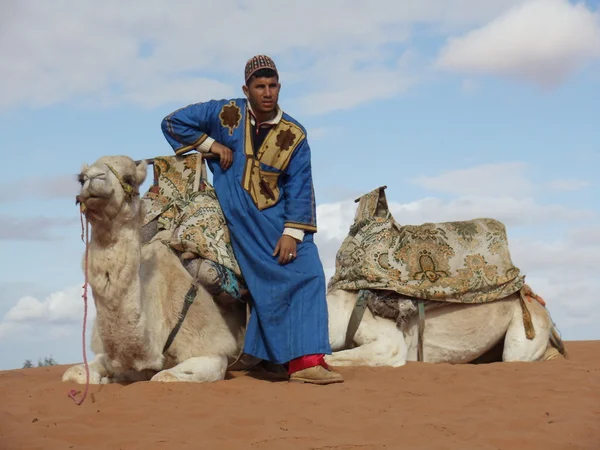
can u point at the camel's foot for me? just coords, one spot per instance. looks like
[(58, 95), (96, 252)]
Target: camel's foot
[(376, 354), (164, 376), (200, 369), (100, 373), (77, 374), (551, 353), (339, 359)]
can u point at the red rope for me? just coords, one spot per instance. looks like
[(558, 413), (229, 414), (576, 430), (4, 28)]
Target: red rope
[(73, 392)]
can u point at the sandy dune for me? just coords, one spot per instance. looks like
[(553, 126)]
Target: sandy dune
[(553, 405)]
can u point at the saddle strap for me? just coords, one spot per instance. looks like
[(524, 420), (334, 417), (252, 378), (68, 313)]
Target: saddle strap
[(187, 302), (355, 318), (241, 353), (421, 309)]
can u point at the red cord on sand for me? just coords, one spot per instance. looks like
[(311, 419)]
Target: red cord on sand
[(73, 392)]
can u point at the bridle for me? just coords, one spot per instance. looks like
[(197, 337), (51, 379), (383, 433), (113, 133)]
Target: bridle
[(128, 188)]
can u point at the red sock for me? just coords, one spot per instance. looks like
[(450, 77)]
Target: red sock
[(306, 361)]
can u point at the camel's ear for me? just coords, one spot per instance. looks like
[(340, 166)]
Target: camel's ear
[(141, 171)]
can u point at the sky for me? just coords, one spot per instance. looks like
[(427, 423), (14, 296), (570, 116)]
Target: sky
[(462, 108)]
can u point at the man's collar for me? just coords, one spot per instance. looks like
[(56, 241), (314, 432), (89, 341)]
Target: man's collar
[(274, 121)]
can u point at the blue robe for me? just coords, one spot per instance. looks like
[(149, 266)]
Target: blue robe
[(261, 195)]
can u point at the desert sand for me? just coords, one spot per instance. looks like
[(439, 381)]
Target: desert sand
[(551, 405)]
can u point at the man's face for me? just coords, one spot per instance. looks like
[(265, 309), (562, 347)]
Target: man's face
[(263, 94)]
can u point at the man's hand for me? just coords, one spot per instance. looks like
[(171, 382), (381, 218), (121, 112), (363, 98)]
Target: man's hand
[(225, 154), (286, 249)]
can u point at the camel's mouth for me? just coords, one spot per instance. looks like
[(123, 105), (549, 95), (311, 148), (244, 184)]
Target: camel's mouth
[(92, 202)]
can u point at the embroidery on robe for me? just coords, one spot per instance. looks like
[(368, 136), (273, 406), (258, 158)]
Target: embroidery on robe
[(276, 151), (279, 145), (262, 185), (285, 139), (230, 116)]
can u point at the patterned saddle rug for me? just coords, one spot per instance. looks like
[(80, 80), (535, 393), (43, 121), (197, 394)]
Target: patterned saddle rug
[(457, 262), (182, 201)]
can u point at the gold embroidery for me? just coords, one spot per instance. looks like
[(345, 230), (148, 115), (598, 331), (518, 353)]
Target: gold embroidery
[(285, 139), (276, 151), (261, 184), (269, 185), (187, 148), (230, 116), (279, 145)]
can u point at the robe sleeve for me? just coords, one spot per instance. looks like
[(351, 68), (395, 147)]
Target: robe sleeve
[(299, 195), (190, 126)]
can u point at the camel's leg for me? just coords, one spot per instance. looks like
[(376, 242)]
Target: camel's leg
[(516, 345), (98, 367), (99, 373), (200, 369), (379, 341)]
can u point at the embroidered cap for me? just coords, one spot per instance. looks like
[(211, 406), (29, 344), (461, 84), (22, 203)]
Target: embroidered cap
[(257, 63)]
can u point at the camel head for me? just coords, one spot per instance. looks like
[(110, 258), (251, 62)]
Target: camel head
[(110, 186)]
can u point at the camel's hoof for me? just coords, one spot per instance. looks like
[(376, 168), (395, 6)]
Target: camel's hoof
[(164, 376)]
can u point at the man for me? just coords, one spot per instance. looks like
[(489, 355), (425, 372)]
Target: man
[(263, 180)]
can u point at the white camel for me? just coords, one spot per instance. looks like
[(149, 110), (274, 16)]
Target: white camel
[(140, 292), (455, 334)]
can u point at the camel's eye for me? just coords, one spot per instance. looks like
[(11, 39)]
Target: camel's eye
[(80, 179), (128, 179)]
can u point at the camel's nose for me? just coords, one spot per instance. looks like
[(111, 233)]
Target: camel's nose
[(79, 199)]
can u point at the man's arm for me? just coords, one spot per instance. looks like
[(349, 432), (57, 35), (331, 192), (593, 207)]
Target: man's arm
[(189, 128), (299, 197), (299, 203)]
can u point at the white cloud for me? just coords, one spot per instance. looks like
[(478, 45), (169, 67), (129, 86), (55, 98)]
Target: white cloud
[(148, 54), (489, 179), (188, 90), (37, 326), (60, 308), (512, 211), (498, 180), (563, 272), (568, 185), (542, 41), (32, 228), (348, 87), (11, 328), (585, 236), (48, 188)]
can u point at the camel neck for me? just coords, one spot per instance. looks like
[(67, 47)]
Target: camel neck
[(113, 273)]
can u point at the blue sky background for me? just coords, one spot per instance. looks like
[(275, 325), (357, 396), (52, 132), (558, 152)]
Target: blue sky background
[(462, 108)]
